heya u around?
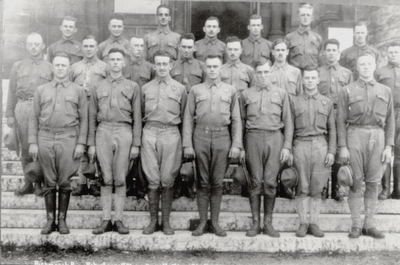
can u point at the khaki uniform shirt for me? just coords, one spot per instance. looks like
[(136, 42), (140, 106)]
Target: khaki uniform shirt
[(205, 47), (116, 101), (362, 103), (112, 42), (188, 72), (304, 47), (164, 40), (59, 105), (238, 74), (71, 46), (287, 77), (26, 76), (139, 71), (267, 108), (254, 49), (214, 105), (389, 75)]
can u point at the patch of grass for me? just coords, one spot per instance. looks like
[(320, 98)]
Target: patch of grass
[(85, 250), (8, 249), (143, 250), (204, 253)]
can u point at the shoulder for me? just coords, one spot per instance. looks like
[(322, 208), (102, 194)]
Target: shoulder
[(325, 101), (149, 85), (221, 43), (199, 42), (246, 68), (275, 90), (177, 85), (18, 65), (54, 44), (229, 89), (265, 41), (75, 66), (76, 42), (291, 35), (103, 44), (316, 35), (294, 69), (130, 85), (245, 41), (176, 35), (382, 70)]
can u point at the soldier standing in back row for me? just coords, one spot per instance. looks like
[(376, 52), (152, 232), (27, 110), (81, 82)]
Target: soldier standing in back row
[(210, 45), (26, 76)]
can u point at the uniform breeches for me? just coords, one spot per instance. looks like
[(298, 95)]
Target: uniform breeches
[(22, 112)]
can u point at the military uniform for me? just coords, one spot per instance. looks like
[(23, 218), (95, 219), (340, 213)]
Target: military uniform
[(287, 77), (188, 72), (70, 46), (348, 57), (205, 47), (254, 49), (365, 126), (304, 47), (139, 71), (238, 74), (161, 40), (112, 42)]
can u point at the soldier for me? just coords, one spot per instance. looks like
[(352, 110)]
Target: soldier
[(58, 125), (210, 45), (265, 111), (187, 70), (26, 76), (234, 72), (283, 74), (332, 78), (304, 44), (255, 47), (212, 119), (116, 28), (67, 43), (163, 39), (86, 73), (138, 69), (314, 150), (114, 137), (348, 57), (389, 75), (163, 103), (366, 136)]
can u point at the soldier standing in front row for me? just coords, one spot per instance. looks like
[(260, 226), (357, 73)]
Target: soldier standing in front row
[(58, 126), (26, 76), (212, 133), (366, 136), (265, 111), (314, 149)]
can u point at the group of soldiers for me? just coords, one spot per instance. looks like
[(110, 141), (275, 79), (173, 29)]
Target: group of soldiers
[(167, 97)]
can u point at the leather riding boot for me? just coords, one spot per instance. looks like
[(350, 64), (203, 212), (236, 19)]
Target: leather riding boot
[(106, 226), (154, 198), (396, 182), (335, 194), (269, 203), (50, 202), (385, 193), (94, 190), (38, 189), (80, 190), (315, 207), (302, 209), (255, 201), (166, 204), (202, 205), (63, 201), (215, 205), (26, 189)]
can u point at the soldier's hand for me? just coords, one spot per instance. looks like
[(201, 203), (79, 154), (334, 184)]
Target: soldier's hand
[(134, 152), (285, 153), (344, 155), (92, 152), (234, 153), (33, 151), (242, 156), (188, 153), (79, 150), (330, 158), (10, 122), (387, 155), (290, 160)]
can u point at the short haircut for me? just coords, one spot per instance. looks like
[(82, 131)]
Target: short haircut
[(89, 37), (310, 69), (162, 54), (361, 23), (331, 41), (137, 37), (62, 54), (393, 44), (279, 41), (212, 18), (188, 36), (34, 34), (214, 56), (115, 50), (254, 16), (261, 62), (306, 6), (366, 53), (69, 18), (116, 16), (231, 39), (164, 6)]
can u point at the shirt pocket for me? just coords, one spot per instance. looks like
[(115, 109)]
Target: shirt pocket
[(322, 118), (300, 119), (102, 99), (172, 47), (71, 106), (244, 78), (252, 107), (22, 80), (45, 78), (292, 83), (296, 48), (101, 74), (226, 106), (356, 106), (174, 104), (276, 105), (381, 105), (342, 82), (314, 47), (153, 44), (197, 77), (144, 77), (149, 102), (46, 106), (126, 100), (266, 53)]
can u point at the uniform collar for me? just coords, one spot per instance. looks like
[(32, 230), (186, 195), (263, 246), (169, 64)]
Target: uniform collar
[(36, 60), (166, 80), (363, 83), (114, 39), (163, 30), (209, 83), (63, 40), (254, 39), (314, 96), (328, 66), (392, 65), (118, 80), (190, 60), (236, 64), (213, 41), (267, 87), (92, 61), (134, 61), (301, 30), (276, 67), (54, 83)]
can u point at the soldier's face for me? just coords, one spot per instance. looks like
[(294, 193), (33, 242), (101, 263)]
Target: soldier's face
[(163, 17), (360, 35), (394, 54), (162, 66), (61, 67), (233, 50), (187, 48), (137, 46), (34, 45), (263, 73), (255, 27), (366, 66), (213, 68), (89, 48), (116, 62), (305, 16), (331, 53), (280, 52), (310, 80), (68, 28), (211, 28), (116, 27)]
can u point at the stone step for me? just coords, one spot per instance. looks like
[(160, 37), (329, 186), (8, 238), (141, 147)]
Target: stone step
[(7, 155), (11, 168), (230, 203), (184, 241), (230, 221)]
